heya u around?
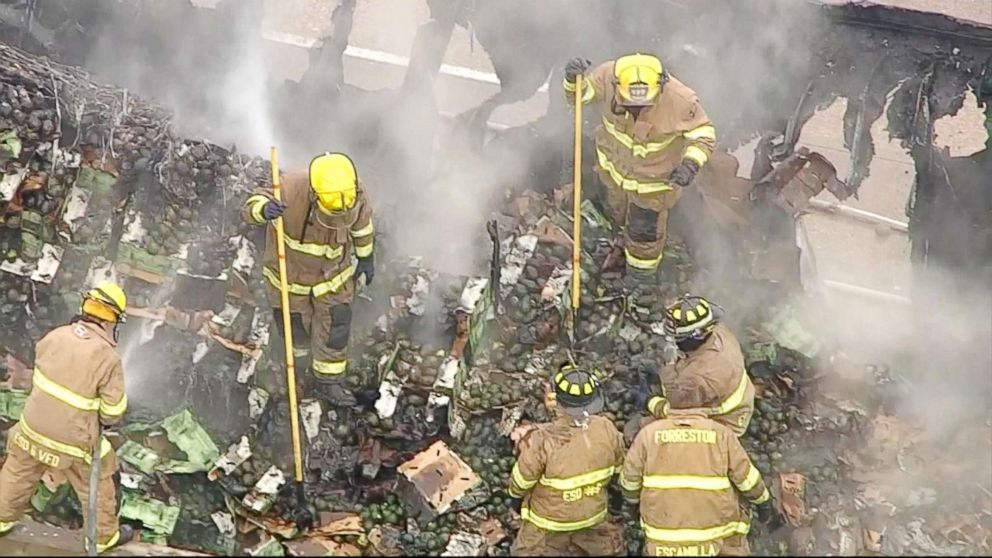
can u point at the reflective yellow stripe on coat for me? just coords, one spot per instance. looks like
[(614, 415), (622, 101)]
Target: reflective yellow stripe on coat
[(578, 481), (638, 149), (658, 534), (73, 399), (363, 251), (588, 91), (311, 249), (332, 285), (561, 526), (629, 184), (629, 485), (55, 445), (735, 399), (364, 231), (692, 482), (518, 478), (256, 203)]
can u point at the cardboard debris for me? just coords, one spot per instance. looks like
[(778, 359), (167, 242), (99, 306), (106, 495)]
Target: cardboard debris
[(472, 293), (235, 456), (557, 283), (311, 414), (224, 522), (282, 528), (155, 515), (492, 532), (385, 540), (516, 258), (257, 399), (268, 546), (142, 458), (438, 478), (791, 499), (12, 403), (465, 544), (873, 540), (192, 439), (339, 523), (263, 495), (389, 393), (319, 546)]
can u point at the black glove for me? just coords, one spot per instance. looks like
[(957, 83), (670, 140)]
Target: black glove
[(766, 515), (273, 210), (684, 173), (575, 67), (366, 267), (515, 504)]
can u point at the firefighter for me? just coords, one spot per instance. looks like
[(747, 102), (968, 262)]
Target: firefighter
[(562, 472), (653, 139), (326, 217), (710, 364), (688, 473), (78, 384)]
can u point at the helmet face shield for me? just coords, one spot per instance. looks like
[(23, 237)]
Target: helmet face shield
[(336, 202), (637, 80)]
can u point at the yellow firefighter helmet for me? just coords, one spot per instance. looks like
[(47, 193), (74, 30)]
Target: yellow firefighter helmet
[(106, 302), (693, 317), (637, 79), (334, 181)]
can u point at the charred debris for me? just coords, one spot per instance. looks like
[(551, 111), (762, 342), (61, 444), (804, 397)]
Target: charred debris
[(97, 181)]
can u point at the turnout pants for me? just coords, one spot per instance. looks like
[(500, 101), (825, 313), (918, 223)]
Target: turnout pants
[(644, 219), (602, 540), (19, 480), (321, 330)]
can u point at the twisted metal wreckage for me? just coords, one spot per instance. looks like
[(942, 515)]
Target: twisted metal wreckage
[(87, 169)]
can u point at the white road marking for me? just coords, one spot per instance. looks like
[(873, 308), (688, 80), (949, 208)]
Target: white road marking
[(389, 58)]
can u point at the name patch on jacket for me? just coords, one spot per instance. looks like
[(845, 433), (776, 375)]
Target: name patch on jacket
[(40, 454), (685, 436), (692, 550)]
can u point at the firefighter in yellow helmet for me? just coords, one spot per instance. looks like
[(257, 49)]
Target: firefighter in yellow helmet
[(78, 384), (562, 472), (327, 218), (710, 364), (691, 476), (654, 138)]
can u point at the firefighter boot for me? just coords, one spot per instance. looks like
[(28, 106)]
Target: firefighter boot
[(335, 393), (125, 534), (638, 280)]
